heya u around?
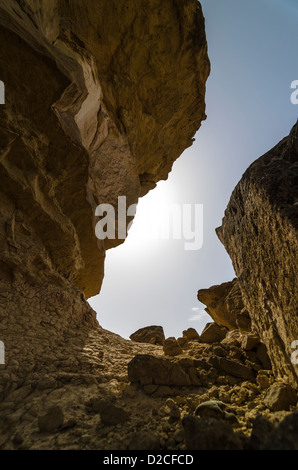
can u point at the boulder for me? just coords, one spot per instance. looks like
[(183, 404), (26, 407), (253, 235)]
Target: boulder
[(52, 420), (149, 334), (191, 334), (280, 396), (215, 409), (171, 347), (285, 435), (236, 369), (209, 434), (161, 370), (213, 333), (224, 303)]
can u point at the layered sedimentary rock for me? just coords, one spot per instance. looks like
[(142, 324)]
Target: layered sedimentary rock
[(224, 304), (100, 99), (259, 231)]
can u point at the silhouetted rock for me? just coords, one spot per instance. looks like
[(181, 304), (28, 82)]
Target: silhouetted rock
[(280, 396), (149, 334), (259, 231)]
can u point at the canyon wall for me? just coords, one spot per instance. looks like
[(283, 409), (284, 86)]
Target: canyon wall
[(100, 100), (259, 231)]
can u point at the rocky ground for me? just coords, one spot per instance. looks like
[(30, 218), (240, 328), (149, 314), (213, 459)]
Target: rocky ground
[(213, 391)]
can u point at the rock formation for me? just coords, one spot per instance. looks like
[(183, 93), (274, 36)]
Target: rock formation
[(149, 334), (225, 305), (259, 231), (100, 99)]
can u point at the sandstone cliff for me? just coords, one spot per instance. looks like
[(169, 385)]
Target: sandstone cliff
[(225, 305), (101, 98), (259, 231)]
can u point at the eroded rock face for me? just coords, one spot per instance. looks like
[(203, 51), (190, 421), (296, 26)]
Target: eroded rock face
[(100, 99), (259, 231), (225, 305)]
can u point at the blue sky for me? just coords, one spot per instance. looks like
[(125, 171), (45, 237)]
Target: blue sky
[(253, 52)]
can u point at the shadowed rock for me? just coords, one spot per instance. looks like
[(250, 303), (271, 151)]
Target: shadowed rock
[(149, 334), (259, 231)]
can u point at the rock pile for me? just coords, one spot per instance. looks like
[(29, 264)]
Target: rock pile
[(131, 395)]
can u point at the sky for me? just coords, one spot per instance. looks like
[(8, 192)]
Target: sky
[(150, 280)]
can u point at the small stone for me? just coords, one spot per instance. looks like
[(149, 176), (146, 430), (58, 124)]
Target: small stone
[(181, 341), (215, 409), (249, 341), (261, 428), (17, 439), (150, 388), (213, 333), (263, 380), (179, 435), (171, 443), (191, 334), (209, 434), (171, 347), (111, 414), (130, 391), (144, 440), (235, 369), (211, 409), (46, 382), (52, 420), (174, 412), (163, 391), (170, 403), (280, 396), (233, 338), (285, 435)]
